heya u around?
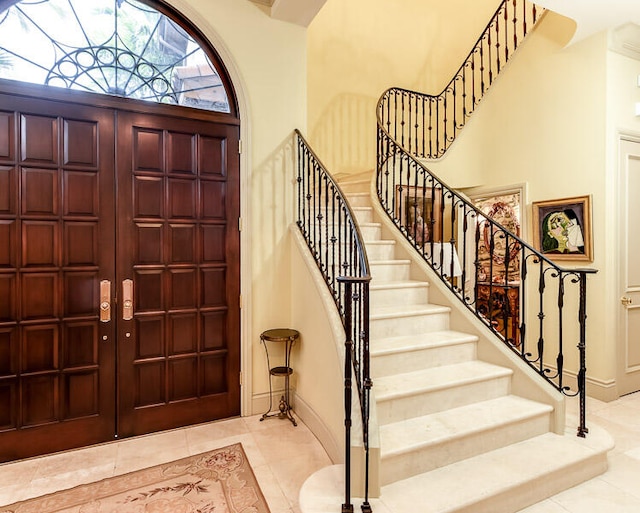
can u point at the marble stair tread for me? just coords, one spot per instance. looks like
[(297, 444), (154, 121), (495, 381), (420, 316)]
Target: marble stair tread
[(399, 311), (393, 261), (433, 379), (408, 343), (380, 242), (402, 284), (448, 425), (504, 480)]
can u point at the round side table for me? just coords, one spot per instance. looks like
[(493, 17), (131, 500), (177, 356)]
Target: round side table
[(287, 337)]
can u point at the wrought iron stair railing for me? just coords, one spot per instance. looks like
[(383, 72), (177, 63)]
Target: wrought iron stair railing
[(426, 125), (331, 232), (473, 253), (534, 305)]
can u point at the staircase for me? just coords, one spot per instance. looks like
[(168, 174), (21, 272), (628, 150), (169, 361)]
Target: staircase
[(453, 437)]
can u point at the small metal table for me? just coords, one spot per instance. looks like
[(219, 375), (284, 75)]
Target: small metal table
[(287, 337)]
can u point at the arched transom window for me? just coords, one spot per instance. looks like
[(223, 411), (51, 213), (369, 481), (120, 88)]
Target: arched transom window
[(118, 47)]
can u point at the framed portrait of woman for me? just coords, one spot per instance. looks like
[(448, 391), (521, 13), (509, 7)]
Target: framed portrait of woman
[(562, 228)]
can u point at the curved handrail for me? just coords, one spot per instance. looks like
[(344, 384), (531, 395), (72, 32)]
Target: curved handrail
[(475, 255), (426, 125), (329, 227), (521, 295)]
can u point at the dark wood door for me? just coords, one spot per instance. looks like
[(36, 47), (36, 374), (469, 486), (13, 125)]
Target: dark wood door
[(57, 360), (156, 203), (178, 244)]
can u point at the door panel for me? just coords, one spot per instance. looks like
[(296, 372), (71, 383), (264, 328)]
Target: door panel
[(66, 378), (629, 344), (178, 240), (57, 377)]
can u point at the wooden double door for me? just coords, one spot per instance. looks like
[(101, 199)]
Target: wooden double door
[(119, 273)]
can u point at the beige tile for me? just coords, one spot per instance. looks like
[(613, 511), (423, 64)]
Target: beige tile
[(276, 499), (547, 506), (10, 494), (149, 450), (19, 473), (597, 496), (624, 473), (207, 437)]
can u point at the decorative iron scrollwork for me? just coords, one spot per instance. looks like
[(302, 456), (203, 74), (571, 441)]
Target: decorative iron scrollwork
[(126, 49)]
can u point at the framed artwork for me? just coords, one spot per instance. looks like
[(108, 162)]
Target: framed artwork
[(562, 228), (504, 205), (416, 207)]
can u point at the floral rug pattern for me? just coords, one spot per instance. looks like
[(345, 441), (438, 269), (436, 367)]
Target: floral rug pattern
[(219, 481)]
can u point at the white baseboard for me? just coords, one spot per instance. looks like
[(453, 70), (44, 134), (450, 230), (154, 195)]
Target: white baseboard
[(603, 390), (317, 426)]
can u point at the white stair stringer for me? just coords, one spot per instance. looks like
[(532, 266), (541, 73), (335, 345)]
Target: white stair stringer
[(453, 435)]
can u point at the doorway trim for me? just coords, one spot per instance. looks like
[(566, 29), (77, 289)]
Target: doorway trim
[(621, 339)]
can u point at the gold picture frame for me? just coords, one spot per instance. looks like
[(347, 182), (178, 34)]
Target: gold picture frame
[(417, 208), (562, 228)]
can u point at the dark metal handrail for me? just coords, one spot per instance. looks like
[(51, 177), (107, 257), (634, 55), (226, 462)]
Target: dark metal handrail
[(482, 262), (331, 232), (521, 295), (426, 125)]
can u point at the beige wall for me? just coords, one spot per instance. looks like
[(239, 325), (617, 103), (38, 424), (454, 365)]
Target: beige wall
[(545, 122), (267, 62), (359, 48)]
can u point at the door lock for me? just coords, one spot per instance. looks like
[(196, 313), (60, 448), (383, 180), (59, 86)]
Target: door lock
[(626, 301), (127, 300), (105, 301)]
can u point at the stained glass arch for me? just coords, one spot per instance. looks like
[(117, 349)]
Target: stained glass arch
[(123, 48)]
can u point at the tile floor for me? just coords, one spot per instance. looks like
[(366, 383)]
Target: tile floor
[(618, 489), (283, 456)]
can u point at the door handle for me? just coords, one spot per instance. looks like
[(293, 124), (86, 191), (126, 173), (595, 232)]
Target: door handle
[(626, 301), (105, 301), (127, 300)]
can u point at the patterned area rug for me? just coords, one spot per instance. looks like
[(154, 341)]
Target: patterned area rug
[(219, 481)]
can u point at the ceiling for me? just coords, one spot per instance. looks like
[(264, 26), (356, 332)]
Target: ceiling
[(300, 12), (591, 16)]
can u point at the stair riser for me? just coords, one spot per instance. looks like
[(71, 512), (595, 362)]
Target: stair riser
[(539, 489), (337, 227), (364, 216), (371, 232), (399, 296), (440, 400), (390, 272), (349, 187), (399, 362), (402, 466), (359, 200), (380, 251), (409, 325)]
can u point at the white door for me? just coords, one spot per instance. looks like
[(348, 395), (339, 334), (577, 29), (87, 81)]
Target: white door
[(629, 341)]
